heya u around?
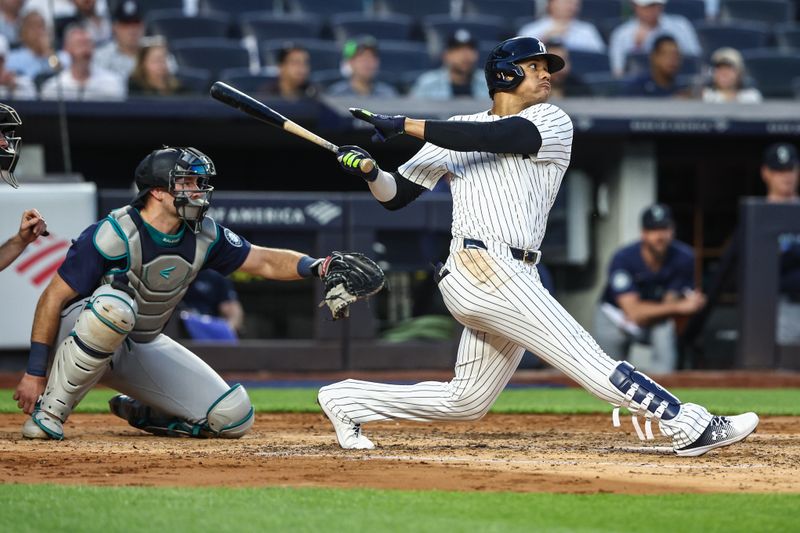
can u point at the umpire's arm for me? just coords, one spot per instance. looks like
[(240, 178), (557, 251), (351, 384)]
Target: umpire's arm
[(277, 264)]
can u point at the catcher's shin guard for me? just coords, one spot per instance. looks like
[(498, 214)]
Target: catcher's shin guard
[(230, 416), (83, 357)]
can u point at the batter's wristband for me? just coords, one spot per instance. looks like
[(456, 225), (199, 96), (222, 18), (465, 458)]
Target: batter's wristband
[(37, 360), (305, 266)]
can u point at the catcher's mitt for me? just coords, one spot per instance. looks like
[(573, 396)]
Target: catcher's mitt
[(349, 276)]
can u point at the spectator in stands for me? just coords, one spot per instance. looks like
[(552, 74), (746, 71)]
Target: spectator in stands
[(81, 80), (33, 57), (13, 86), (564, 82), (561, 23), (212, 294), (639, 33), (727, 79), (10, 19), (151, 75), (661, 80), (781, 173), (293, 70), (362, 63), (458, 75), (650, 282), (119, 55), (88, 15)]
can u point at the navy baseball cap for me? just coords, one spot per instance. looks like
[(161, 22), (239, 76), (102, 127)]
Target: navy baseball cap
[(127, 12), (781, 156), (461, 37), (657, 216)]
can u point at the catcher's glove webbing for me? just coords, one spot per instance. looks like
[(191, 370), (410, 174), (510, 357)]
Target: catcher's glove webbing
[(349, 276)]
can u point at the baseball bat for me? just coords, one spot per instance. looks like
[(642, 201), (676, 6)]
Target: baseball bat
[(247, 104)]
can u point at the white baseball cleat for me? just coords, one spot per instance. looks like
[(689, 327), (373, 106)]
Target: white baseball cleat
[(348, 433), (42, 425), (722, 431)]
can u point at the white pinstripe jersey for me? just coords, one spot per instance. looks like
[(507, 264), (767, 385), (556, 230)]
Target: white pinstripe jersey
[(501, 197)]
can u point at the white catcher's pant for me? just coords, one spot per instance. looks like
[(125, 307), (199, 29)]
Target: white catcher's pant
[(162, 373), (505, 310)]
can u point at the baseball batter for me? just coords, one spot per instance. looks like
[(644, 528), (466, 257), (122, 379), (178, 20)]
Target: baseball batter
[(505, 167), (120, 282)]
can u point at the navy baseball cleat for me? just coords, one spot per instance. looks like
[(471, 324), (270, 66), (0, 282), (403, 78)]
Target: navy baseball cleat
[(722, 431)]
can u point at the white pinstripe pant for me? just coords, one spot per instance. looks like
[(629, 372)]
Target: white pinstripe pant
[(505, 310)]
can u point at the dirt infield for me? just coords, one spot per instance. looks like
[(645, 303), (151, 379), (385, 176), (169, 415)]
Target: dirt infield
[(525, 453)]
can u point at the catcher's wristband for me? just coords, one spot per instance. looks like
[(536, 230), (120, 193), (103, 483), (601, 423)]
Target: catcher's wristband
[(37, 360), (309, 267)]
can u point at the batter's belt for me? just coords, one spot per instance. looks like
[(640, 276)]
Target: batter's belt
[(520, 254)]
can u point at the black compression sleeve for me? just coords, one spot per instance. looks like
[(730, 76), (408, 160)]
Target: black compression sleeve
[(407, 192), (514, 135)]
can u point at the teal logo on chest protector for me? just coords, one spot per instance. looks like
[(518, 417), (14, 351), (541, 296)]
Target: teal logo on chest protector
[(166, 272)]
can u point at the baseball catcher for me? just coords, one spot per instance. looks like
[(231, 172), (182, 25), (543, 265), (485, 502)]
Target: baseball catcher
[(104, 310)]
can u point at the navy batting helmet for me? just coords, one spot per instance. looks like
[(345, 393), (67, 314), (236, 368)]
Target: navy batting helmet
[(502, 71)]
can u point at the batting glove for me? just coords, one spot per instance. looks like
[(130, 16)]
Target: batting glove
[(350, 158), (386, 126)]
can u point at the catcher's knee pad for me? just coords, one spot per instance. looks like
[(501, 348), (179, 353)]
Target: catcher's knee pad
[(84, 355), (642, 396), (106, 320), (232, 415)]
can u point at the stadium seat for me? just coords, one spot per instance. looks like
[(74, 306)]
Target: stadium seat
[(401, 60), (325, 78), (194, 80), (236, 8), (214, 55), (148, 6), (244, 80), (326, 8), (519, 22), (773, 71), (694, 10), (768, 11), (393, 26), (583, 63), (603, 85), (595, 10), (323, 55), (483, 28), (265, 27), (739, 35), (418, 8), (173, 25), (484, 49), (788, 36), (640, 62), (606, 26), (508, 9)]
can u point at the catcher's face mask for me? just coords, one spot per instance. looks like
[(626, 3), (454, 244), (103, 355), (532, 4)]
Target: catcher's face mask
[(9, 144), (190, 188)]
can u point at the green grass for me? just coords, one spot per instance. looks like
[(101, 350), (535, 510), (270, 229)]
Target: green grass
[(526, 400), (26, 508)]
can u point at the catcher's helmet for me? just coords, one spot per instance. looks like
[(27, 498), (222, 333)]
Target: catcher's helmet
[(161, 168), (9, 121), (502, 71)]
